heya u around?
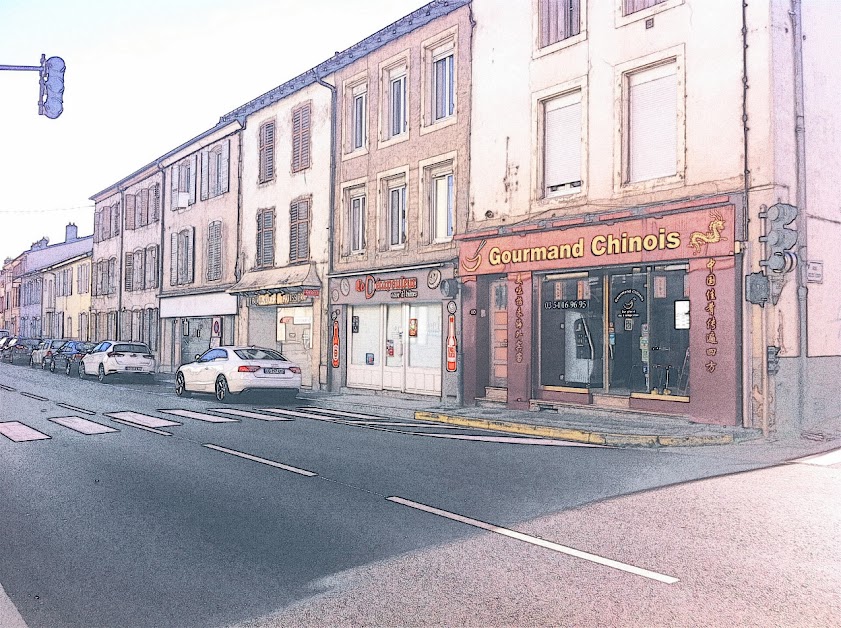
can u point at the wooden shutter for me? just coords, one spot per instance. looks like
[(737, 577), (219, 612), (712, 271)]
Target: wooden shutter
[(214, 250), (301, 138), (632, 6), (97, 225), (191, 184), (562, 143), (191, 232), (265, 238), (205, 174), (224, 176), (267, 151), (105, 223), (130, 213), (299, 231), (115, 219), (174, 173), (129, 272), (144, 207), (156, 202), (652, 123), (173, 259)]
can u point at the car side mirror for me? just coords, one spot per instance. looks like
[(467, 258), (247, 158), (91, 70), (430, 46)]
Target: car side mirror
[(198, 355)]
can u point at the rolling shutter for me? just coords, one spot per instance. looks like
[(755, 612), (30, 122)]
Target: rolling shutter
[(652, 123), (562, 144)]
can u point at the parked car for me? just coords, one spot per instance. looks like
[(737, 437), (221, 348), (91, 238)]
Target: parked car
[(5, 333), (69, 355), (3, 341), (113, 357), (18, 350), (43, 354), (226, 371)]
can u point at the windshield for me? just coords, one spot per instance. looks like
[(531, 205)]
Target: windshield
[(131, 348), (255, 353)]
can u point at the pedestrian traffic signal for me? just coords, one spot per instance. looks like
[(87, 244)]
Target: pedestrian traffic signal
[(52, 87), (778, 237)]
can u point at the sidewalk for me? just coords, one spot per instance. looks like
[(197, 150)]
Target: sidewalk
[(597, 426)]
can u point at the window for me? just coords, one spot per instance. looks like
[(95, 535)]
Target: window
[(443, 84), (357, 222), (442, 207), (632, 6), (143, 209), (115, 219), (181, 256), (397, 109), (214, 170), (112, 275), (131, 212), (559, 20), (652, 123), (299, 231), (267, 151), (155, 200), (562, 145), (184, 183), (397, 216), (265, 238), (152, 267), (301, 138), (84, 278), (359, 117), (214, 251), (138, 267)]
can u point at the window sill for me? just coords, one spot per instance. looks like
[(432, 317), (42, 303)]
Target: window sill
[(624, 20), (397, 139), (359, 152), (559, 45), (650, 185), (443, 123)]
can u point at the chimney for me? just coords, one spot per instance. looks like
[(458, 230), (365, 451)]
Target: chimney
[(71, 232)]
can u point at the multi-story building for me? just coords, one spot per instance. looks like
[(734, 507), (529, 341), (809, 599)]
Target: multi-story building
[(619, 168), (106, 264), (200, 244), (66, 298), (403, 111)]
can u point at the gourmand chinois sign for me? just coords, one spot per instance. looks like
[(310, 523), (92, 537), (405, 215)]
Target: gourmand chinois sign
[(707, 233)]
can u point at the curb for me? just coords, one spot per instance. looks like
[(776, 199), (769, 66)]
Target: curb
[(579, 436)]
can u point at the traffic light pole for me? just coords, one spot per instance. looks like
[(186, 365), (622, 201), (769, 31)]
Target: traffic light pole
[(51, 82)]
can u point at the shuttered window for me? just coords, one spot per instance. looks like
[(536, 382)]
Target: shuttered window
[(115, 219), (632, 6), (105, 223), (131, 214), (357, 224), (112, 275), (267, 151), (299, 231), (139, 270), (652, 123), (173, 259), (144, 207), (128, 269), (559, 19), (265, 238), (155, 201), (97, 225), (185, 255), (214, 251), (151, 279), (205, 175), (301, 138), (562, 144)]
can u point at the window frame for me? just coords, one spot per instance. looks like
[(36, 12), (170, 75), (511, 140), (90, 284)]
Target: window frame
[(295, 228), (301, 137), (622, 19), (357, 236), (213, 268), (396, 188), (538, 49), (397, 68)]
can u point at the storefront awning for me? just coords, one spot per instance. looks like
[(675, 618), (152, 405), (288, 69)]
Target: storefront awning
[(274, 280)]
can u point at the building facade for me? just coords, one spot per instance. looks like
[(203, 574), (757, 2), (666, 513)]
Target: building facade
[(67, 298), (401, 196)]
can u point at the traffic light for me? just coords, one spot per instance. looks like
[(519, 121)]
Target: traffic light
[(778, 237), (52, 86)]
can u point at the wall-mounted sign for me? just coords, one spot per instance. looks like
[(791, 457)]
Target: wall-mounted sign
[(216, 327), (814, 272), (399, 287), (354, 325), (369, 359), (570, 304), (285, 298)]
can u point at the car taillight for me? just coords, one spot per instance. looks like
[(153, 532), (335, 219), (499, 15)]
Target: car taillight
[(148, 356), (248, 369), (49, 354), (295, 369), (114, 354)]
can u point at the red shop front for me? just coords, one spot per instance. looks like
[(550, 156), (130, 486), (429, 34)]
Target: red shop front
[(636, 310)]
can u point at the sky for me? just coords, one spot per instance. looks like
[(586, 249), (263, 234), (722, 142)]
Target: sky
[(141, 79)]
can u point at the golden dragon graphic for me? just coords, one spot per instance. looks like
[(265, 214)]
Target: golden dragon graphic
[(713, 234)]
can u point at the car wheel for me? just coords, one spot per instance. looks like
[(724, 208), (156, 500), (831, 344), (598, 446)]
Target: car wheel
[(81, 371), (31, 362), (100, 375), (44, 364), (221, 390), (67, 369), (52, 366), (180, 386)]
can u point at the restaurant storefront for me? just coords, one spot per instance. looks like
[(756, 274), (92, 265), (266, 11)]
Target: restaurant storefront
[(395, 331), (636, 311)]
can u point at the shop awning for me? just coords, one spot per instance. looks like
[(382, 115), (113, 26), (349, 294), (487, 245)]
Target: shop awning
[(273, 280)]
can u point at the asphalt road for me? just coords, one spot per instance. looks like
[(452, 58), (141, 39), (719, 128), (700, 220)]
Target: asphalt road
[(152, 527)]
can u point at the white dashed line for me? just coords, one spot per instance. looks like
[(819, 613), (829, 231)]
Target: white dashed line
[(83, 426), (607, 562), (823, 460), (200, 416), (249, 415), (141, 427), (265, 461), (145, 420)]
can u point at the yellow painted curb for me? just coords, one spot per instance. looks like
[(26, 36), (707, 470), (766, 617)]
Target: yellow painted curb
[(574, 435)]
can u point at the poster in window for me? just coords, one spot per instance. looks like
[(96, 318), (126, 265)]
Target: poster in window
[(660, 286), (682, 314)]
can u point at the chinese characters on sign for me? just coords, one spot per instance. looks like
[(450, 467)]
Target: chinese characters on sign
[(712, 349), (518, 320)]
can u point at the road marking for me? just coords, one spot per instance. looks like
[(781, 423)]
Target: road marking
[(31, 396), (18, 432), (83, 426), (824, 460), (67, 406), (200, 416), (249, 415), (9, 615), (270, 463), (519, 536), (9, 388), (383, 422), (141, 419), (352, 415), (141, 427), (509, 439)]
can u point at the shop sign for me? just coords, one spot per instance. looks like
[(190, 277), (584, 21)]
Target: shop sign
[(285, 298), (519, 322), (629, 308), (712, 341), (399, 287), (678, 235), (216, 327)]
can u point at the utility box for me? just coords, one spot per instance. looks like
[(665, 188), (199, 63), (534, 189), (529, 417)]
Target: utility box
[(757, 289)]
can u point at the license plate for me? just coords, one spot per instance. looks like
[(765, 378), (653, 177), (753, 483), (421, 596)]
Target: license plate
[(133, 368), (274, 371)]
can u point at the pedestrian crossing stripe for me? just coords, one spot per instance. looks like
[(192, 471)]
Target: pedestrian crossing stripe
[(83, 426), (250, 415), (141, 419), (19, 433), (199, 416)]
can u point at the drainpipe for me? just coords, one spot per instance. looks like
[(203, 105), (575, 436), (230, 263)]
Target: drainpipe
[(802, 221), (161, 330), (747, 321), (330, 217), (118, 267), (240, 336)]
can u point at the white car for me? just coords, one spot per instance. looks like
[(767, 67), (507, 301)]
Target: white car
[(113, 357), (224, 371)]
